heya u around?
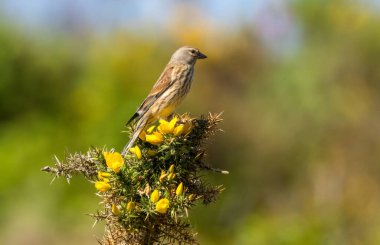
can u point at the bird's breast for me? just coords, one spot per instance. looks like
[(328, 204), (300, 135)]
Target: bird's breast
[(174, 95)]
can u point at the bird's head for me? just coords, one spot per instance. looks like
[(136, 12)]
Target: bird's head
[(187, 55)]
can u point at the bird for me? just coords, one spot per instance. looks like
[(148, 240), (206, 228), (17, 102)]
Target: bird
[(167, 93)]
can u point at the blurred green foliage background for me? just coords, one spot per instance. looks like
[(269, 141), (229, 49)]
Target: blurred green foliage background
[(299, 84)]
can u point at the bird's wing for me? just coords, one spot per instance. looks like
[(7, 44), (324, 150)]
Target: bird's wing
[(164, 82)]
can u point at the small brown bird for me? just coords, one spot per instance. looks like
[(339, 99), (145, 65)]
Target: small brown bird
[(168, 92)]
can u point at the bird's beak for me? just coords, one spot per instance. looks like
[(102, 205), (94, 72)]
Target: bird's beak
[(201, 56)]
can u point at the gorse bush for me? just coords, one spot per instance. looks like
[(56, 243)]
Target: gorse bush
[(147, 193)]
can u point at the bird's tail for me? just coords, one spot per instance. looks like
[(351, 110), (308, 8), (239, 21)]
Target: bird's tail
[(139, 128)]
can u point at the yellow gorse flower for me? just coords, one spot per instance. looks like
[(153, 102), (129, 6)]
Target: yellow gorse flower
[(162, 205), (163, 127), (130, 206), (137, 151), (154, 196), (179, 190), (114, 160), (178, 130), (142, 135), (102, 186), (167, 127), (155, 139), (115, 209)]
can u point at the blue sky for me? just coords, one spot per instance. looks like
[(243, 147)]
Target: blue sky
[(272, 20), (106, 15)]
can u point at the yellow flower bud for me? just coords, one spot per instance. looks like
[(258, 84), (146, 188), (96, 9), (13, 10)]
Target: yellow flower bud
[(114, 160), (171, 168), (102, 186), (162, 205), (102, 175), (163, 175), (154, 196), (137, 151), (191, 197), (130, 206), (155, 139), (178, 130), (115, 209), (179, 190), (150, 129), (171, 176)]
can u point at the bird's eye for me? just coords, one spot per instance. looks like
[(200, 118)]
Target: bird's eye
[(192, 51)]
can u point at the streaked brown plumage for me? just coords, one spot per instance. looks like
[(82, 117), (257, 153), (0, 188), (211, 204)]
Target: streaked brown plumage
[(168, 92)]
